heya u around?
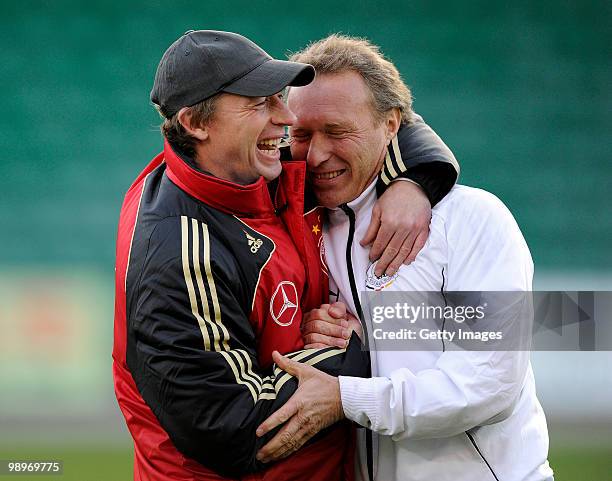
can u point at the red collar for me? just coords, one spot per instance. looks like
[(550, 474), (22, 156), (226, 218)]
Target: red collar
[(252, 200)]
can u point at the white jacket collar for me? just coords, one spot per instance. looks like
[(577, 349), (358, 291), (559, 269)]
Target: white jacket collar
[(365, 200)]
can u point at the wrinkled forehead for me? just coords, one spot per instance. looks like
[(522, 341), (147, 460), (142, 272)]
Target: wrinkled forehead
[(331, 97)]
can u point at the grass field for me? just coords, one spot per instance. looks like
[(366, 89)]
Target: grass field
[(115, 464), (576, 464)]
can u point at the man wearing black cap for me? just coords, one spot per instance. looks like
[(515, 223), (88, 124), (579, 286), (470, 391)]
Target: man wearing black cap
[(217, 259)]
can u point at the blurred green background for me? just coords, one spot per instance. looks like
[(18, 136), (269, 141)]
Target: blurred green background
[(520, 91)]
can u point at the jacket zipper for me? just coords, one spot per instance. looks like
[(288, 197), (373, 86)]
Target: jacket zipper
[(473, 441), (349, 265)]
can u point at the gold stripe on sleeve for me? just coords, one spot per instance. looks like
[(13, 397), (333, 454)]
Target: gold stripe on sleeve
[(384, 177), (389, 164), (189, 281), (233, 367), (321, 357), (200, 283), (246, 367), (398, 155), (239, 361), (213, 289)]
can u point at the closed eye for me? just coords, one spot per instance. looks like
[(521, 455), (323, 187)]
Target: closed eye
[(336, 133), (270, 99), (301, 137)]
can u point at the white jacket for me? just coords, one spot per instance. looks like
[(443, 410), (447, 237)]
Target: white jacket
[(452, 415)]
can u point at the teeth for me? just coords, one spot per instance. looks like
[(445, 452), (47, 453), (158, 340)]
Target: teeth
[(328, 175), (270, 142)]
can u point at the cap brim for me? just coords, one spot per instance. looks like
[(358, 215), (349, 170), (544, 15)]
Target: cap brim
[(271, 77)]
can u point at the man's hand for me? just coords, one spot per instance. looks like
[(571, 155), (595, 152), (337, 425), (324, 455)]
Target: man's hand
[(329, 326), (314, 406), (399, 227)]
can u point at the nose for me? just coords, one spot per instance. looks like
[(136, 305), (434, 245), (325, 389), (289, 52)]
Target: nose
[(318, 151), (281, 114)]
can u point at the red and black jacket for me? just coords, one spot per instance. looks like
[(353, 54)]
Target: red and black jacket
[(211, 277)]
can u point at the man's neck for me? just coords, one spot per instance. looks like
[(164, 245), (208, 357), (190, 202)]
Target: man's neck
[(205, 162)]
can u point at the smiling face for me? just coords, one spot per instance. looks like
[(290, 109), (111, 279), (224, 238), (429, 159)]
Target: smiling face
[(241, 141), (336, 131)]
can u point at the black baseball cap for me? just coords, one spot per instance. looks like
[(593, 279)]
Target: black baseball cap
[(203, 63)]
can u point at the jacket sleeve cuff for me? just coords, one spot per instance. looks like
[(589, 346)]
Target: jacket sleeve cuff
[(405, 179), (360, 400)]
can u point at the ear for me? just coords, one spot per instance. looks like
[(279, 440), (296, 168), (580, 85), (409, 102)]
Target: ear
[(392, 123), (185, 118)]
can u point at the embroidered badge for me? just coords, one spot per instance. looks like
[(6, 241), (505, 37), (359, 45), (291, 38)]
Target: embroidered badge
[(375, 283), (255, 244), (284, 303)]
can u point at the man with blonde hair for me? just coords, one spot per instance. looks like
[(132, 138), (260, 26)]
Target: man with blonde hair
[(436, 414)]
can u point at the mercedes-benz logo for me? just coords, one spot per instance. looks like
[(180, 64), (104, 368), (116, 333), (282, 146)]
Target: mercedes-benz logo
[(284, 307)]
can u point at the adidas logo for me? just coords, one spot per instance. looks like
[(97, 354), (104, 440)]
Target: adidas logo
[(254, 244)]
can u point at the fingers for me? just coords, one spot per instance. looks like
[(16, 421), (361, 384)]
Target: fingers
[(337, 310), (408, 252), (419, 243), (333, 315), (391, 251), (281, 416), (325, 328), (370, 234), (288, 440), (315, 313), (393, 257), (315, 405), (403, 215), (402, 255), (316, 345), (326, 341), (288, 365), (355, 325), (301, 371), (383, 237), (328, 332), (275, 448)]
